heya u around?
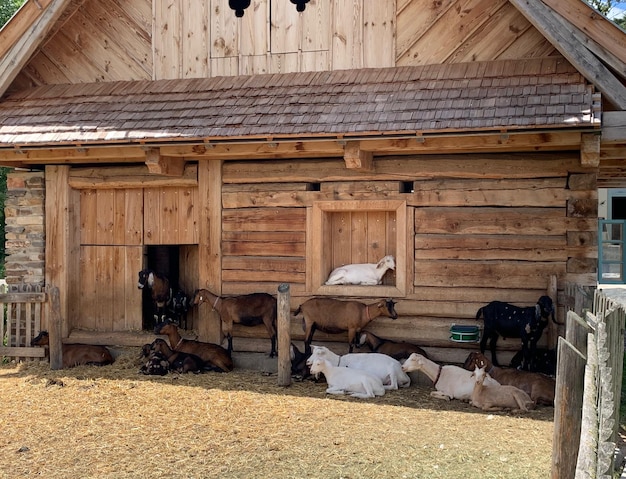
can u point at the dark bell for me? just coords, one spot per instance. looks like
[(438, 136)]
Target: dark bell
[(300, 4), (239, 6)]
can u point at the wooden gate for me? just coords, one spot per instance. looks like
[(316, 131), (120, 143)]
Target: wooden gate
[(21, 312)]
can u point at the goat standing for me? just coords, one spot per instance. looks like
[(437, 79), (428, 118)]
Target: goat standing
[(509, 321), (247, 310), (335, 316), (159, 287)]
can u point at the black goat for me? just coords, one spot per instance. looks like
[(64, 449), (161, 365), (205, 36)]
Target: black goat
[(509, 321), (179, 306), (544, 361)]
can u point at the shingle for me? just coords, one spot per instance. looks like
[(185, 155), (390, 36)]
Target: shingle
[(382, 100)]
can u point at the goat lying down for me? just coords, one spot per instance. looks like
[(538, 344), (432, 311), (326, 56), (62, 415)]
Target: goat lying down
[(362, 273), (77, 354), (355, 382), (449, 381), (497, 398), (384, 367), (539, 387), (399, 350)]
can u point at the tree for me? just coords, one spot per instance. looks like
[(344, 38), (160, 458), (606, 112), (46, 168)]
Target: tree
[(8, 8)]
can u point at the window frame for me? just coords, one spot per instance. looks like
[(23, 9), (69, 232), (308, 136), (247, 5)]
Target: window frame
[(318, 227)]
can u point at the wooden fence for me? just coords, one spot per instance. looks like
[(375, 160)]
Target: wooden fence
[(588, 391), (21, 310)]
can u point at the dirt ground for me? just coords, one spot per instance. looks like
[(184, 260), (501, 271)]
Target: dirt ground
[(112, 422)]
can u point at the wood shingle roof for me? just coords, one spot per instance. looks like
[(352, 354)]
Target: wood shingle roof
[(506, 95)]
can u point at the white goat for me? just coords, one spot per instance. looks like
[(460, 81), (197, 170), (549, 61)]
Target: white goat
[(341, 380), (497, 398), (362, 273), (384, 367), (449, 381)]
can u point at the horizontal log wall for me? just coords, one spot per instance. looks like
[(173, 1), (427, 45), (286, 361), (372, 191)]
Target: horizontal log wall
[(483, 228)]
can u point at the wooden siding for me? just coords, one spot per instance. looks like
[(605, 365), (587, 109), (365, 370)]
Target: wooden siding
[(110, 40)]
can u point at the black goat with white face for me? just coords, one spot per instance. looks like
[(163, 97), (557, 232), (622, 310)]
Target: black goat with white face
[(509, 321)]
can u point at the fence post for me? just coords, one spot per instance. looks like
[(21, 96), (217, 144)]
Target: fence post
[(284, 335), (567, 409), (54, 334)]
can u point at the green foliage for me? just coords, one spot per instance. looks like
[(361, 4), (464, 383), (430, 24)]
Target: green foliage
[(8, 8), (602, 6)]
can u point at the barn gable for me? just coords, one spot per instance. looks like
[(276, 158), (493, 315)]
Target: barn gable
[(465, 138)]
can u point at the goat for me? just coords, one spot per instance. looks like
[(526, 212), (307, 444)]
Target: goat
[(538, 386), (216, 358), (179, 306), (509, 321), (357, 383), (449, 381), (396, 349), (247, 310), (159, 287), (77, 354), (334, 316), (362, 273), (156, 363), (179, 361), (543, 361), (497, 398), (298, 362), (384, 367)]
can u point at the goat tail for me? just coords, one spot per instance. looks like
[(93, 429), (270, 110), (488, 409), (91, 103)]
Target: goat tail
[(479, 313)]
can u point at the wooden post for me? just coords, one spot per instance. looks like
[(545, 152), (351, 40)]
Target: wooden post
[(54, 333), (284, 335), (567, 405)]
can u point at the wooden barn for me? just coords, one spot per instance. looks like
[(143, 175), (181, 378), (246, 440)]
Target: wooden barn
[(467, 138)]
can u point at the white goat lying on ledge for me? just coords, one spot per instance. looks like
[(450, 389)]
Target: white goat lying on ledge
[(384, 367), (355, 382), (364, 273), (449, 381)]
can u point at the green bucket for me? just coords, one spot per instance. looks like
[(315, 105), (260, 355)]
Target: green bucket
[(464, 334)]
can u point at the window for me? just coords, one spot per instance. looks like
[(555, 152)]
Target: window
[(347, 232)]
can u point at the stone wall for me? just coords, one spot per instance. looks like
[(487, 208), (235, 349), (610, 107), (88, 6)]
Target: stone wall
[(25, 228)]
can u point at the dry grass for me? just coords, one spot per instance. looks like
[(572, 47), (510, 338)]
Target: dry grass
[(112, 422)]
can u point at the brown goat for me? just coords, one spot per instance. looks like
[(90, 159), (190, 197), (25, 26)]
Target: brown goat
[(396, 349), (77, 354), (538, 386), (497, 398), (247, 310), (159, 287), (335, 316), (214, 356), (179, 361)]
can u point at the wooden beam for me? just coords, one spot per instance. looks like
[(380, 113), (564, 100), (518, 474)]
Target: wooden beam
[(559, 33), (121, 177), (356, 158), (613, 127), (160, 165), (594, 25), (590, 150), (19, 54), (516, 141)]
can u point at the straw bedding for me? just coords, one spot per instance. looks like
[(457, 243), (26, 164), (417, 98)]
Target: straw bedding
[(111, 422)]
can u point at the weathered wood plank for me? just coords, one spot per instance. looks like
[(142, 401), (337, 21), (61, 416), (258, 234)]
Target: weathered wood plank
[(506, 274), (491, 247), (527, 221), (124, 177), (264, 219)]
